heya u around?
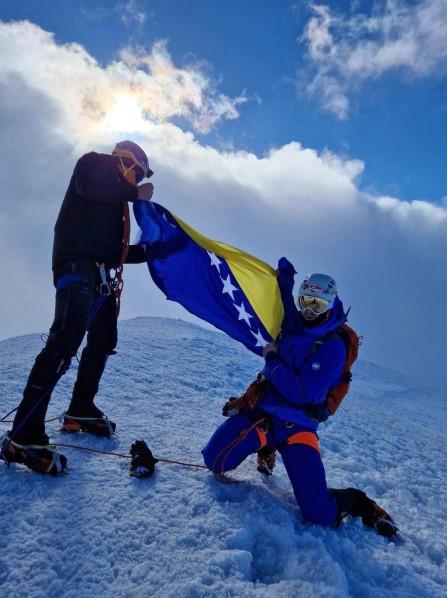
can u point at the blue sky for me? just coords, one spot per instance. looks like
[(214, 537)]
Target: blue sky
[(397, 124), (314, 131)]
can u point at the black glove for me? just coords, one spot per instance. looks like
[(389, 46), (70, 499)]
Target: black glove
[(285, 266), (143, 461), (234, 405), (248, 400), (319, 412)]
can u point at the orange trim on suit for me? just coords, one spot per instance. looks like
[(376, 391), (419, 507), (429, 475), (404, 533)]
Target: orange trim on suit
[(262, 437), (308, 438)]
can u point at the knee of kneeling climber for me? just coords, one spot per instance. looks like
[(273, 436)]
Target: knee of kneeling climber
[(216, 459), (208, 457), (220, 457)]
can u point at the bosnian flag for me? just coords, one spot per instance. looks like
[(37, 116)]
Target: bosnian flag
[(234, 291)]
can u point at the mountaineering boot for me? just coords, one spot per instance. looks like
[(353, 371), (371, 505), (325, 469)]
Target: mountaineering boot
[(41, 456), (266, 460), (90, 420), (99, 426), (357, 504)]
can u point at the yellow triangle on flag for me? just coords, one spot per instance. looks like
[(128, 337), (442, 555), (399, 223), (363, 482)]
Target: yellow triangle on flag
[(257, 279)]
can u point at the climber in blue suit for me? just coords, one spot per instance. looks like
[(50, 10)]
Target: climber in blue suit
[(282, 410)]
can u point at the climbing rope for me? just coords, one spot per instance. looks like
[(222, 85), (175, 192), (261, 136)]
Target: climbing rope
[(231, 445), (124, 456)]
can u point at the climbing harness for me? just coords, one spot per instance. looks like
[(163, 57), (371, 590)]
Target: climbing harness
[(105, 289), (118, 281)]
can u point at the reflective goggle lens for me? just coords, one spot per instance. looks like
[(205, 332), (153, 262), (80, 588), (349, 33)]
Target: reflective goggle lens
[(317, 305)]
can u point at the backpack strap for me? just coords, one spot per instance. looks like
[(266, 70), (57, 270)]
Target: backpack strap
[(352, 343), (330, 404)]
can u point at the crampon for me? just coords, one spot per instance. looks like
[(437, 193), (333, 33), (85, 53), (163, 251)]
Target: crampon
[(41, 458), (266, 459), (99, 426), (379, 519)]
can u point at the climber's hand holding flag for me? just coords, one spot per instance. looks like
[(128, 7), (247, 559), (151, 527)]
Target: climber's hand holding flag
[(145, 191)]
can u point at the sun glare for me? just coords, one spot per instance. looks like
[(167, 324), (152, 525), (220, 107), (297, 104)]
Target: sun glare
[(124, 115)]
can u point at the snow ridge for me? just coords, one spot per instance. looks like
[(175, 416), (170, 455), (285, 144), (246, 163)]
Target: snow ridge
[(182, 533)]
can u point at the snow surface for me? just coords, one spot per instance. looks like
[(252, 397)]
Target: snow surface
[(184, 534)]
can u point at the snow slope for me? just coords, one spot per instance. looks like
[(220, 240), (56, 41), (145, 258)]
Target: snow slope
[(183, 534)]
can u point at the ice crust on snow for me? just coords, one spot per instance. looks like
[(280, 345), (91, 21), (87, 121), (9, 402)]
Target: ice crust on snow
[(181, 533)]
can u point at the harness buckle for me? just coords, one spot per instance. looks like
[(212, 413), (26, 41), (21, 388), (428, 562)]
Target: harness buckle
[(104, 286)]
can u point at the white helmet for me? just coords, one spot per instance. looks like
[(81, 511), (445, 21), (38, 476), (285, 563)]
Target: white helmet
[(321, 289)]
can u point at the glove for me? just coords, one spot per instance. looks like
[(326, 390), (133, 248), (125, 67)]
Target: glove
[(248, 400), (143, 461), (284, 266), (234, 406), (319, 412), (145, 191), (271, 347), (286, 275)]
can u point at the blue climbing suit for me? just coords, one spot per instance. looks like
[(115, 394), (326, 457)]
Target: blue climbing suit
[(300, 374)]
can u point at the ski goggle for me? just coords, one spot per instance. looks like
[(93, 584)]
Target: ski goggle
[(130, 163), (315, 304)]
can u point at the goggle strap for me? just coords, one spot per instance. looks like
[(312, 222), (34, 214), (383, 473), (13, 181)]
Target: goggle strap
[(123, 153), (125, 168)]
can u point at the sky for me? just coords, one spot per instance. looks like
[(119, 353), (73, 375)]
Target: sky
[(315, 131)]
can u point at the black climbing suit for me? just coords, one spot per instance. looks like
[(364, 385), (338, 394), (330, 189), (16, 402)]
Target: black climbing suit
[(88, 231)]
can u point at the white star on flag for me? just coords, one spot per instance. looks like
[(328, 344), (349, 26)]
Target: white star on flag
[(260, 340), (243, 315), (228, 287), (215, 261)]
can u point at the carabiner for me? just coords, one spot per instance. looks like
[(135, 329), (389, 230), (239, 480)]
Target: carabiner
[(104, 286)]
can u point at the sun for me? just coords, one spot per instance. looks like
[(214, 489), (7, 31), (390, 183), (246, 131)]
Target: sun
[(124, 115)]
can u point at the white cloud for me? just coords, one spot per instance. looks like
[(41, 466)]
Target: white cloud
[(345, 52), (413, 212), (131, 13), (169, 91), (388, 255), (85, 91)]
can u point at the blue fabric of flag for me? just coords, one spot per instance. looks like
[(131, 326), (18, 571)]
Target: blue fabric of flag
[(200, 280)]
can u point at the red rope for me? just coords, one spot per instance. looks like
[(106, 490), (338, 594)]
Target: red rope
[(231, 445), (124, 456), (225, 451), (182, 463), (119, 281), (11, 421), (91, 450)]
